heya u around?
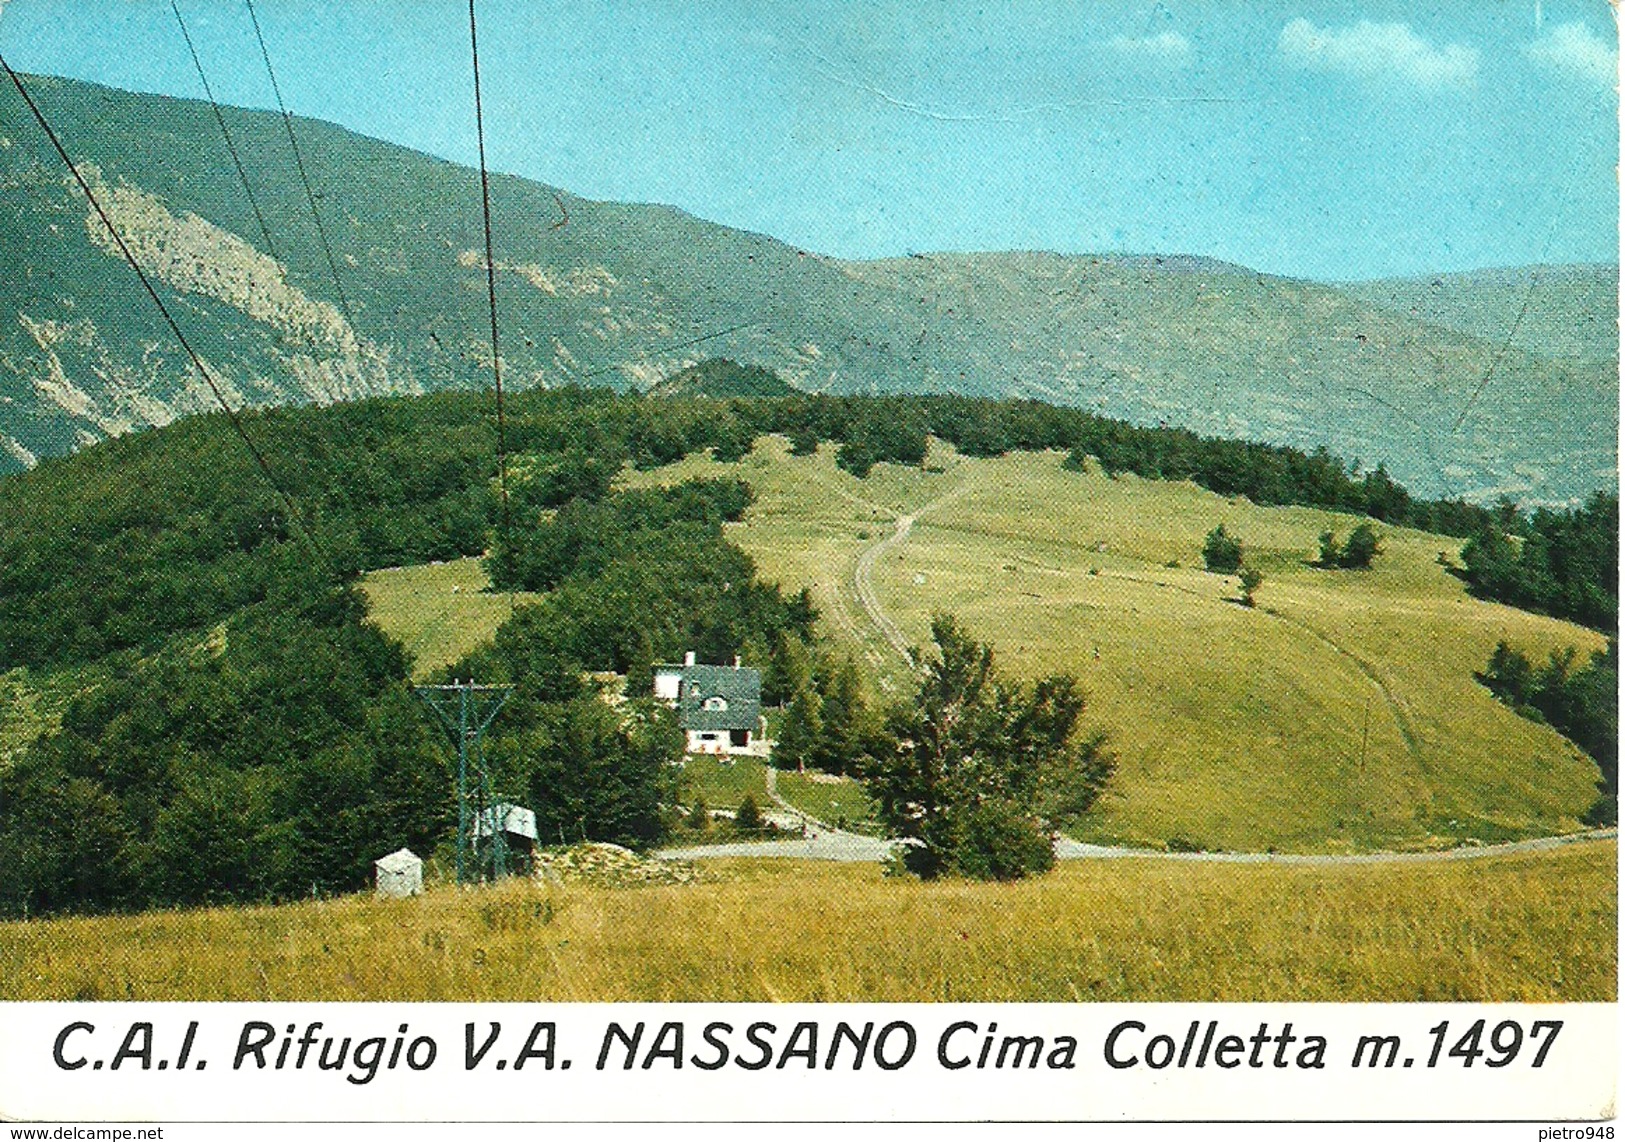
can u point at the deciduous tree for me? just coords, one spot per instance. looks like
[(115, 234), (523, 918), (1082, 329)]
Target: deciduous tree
[(977, 767)]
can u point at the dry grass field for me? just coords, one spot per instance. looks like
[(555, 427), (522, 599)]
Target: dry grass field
[(1526, 927), (1340, 714)]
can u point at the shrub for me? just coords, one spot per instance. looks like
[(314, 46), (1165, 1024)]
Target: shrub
[(1361, 547), (803, 442), (1251, 580), (1221, 552), (699, 815), (856, 457), (995, 840), (1330, 552), (733, 443), (748, 817), (1000, 842)]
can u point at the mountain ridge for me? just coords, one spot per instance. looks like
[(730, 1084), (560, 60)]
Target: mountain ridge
[(626, 295), (1514, 305)]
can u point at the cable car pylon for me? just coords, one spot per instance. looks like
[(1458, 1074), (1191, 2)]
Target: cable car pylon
[(466, 710)]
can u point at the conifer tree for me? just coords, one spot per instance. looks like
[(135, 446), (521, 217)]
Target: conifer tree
[(803, 727), (789, 670), (840, 746)]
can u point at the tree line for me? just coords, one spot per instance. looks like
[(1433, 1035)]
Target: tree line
[(1578, 700), (1563, 563), (126, 543)]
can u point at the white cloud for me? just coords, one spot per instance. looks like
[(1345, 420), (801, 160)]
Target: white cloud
[(1576, 48), (1378, 51), (1168, 48)]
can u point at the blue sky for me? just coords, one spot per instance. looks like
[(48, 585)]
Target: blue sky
[(1329, 140)]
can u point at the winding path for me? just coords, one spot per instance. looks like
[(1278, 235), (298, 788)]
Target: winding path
[(863, 584), (863, 587), (1068, 849), (825, 842)]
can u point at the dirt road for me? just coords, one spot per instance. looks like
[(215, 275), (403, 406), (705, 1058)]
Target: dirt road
[(862, 574)]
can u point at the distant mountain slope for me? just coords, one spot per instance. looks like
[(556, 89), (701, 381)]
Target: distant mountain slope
[(1238, 353), (1550, 311), (721, 377), (624, 295)]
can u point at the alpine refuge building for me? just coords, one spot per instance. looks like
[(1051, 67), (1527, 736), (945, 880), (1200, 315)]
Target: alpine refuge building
[(719, 707)]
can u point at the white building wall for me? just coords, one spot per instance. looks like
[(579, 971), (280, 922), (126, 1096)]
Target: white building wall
[(667, 683), (715, 741)]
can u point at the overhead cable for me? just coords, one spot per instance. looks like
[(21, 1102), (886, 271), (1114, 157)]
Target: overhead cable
[(203, 371), (299, 161), (225, 131)]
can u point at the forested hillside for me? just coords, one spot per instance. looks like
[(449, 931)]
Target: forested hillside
[(158, 533), (242, 687)]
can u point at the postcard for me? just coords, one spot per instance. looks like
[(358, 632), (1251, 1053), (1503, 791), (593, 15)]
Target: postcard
[(853, 562)]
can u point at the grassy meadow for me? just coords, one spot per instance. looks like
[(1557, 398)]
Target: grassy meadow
[(1339, 714), (723, 784), (837, 801), (1534, 927), (826, 798), (440, 611)]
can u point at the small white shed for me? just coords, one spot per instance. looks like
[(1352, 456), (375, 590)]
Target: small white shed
[(399, 874)]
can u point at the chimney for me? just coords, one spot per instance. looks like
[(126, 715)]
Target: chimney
[(736, 662), (688, 659)]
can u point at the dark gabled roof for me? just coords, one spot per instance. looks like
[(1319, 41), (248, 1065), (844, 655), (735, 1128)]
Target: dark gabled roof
[(739, 686)]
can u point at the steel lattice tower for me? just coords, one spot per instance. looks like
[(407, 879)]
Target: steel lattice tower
[(466, 710)]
